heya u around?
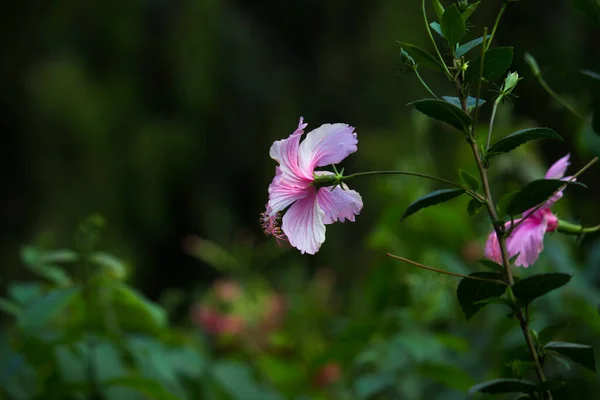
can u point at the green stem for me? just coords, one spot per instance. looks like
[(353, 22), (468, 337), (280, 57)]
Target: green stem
[(446, 70), (441, 271), (433, 178), (572, 229), (495, 26), (499, 229), (559, 99), (492, 118), (424, 84)]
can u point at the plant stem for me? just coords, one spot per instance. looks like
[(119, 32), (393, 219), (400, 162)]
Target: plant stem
[(496, 25), (441, 271), (572, 229), (424, 84), (434, 178), (446, 70), (492, 118), (500, 233), (559, 99)]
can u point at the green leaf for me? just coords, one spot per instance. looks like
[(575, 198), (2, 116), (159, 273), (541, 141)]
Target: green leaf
[(236, 379), (533, 194), (466, 14), (471, 102), (445, 112), (498, 386), (370, 385), (469, 180), (591, 74), (453, 25), (550, 385), (532, 287), (496, 62), (492, 265), (135, 312), (439, 8), (46, 307), (474, 207), (114, 265), (596, 121), (549, 333), (471, 292), (9, 307), (431, 199), (24, 292), (437, 28), (148, 387), (580, 353), (518, 138), (447, 375), (503, 203), (590, 9), (465, 48), (422, 57)]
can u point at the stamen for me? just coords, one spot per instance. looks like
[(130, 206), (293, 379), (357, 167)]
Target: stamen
[(271, 226)]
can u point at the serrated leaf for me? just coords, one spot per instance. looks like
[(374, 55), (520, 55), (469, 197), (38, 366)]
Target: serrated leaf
[(474, 207), (466, 14), (471, 292), (492, 265), (549, 333), (469, 180), (532, 287), (465, 48), (453, 25), (431, 199), (596, 121), (46, 307), (471, 102), (518, 138), (496, 62), (580, 353), (499, 386), (502, 205), (444, 112), (437, 28), (533, 194), (422, 57), (439, 8)]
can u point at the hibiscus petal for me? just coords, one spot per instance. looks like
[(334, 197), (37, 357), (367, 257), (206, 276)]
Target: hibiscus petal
[(285, 152), (527, 240), (339, 204), (558, 169), (492, 248), (328, 144), (303, 224), (282, 194)]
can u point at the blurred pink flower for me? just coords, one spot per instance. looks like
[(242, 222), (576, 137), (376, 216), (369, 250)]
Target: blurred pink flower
[(527, 239), (327, 375), (227, 290), (310, 208), (216, 323)]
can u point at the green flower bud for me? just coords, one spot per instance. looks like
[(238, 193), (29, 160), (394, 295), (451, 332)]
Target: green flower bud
[(408, 63), (510, 83)]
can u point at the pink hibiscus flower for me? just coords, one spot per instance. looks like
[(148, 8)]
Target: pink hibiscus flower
[(527, 239), (310, 207)]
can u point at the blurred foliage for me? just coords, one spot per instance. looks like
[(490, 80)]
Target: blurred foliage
[(159, 116)]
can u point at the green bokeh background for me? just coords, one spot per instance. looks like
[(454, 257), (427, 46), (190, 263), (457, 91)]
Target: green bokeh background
[(159, 115)]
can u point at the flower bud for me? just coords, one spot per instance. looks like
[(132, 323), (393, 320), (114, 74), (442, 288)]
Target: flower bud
[(462, 5), (510, 83), (408, 63)]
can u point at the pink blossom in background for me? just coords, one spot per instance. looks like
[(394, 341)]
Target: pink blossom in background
[(527, 239), (310, 208)]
